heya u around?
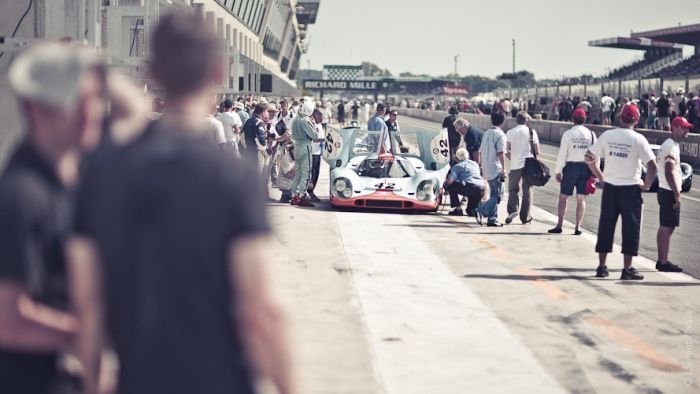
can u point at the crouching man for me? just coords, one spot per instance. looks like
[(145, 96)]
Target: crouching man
[(464, 179)]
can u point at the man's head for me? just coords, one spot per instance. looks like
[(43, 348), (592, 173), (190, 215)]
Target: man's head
[(453, 111), (259, 109), (579, 116), (461, 125), (629, 115), (393, 114), (239, 106), (380, 109), (271, 111), (307, 108), (184, 54), (497, 118), (522, 117), (317, 115), (461, 154), (60, 88), (284, 105), (680, 127), (228, 104)]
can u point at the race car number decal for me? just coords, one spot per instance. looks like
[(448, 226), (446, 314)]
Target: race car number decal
[(333, 146), (440, 148), (385, 185)]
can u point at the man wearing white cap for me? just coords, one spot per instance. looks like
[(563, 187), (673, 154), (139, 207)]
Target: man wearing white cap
[(303, 133), (59, 92)]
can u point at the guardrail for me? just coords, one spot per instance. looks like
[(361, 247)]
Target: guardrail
[(552, 131)]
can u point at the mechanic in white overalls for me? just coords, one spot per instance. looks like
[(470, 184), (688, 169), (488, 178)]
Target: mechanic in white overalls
[(303, 134)]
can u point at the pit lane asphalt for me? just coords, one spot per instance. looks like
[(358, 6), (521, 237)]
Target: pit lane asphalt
[(400, 303), (685, 248)]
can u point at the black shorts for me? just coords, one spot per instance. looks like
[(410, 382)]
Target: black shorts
[(575, 175), (668, 215)]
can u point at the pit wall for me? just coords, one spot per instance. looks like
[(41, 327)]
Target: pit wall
[(551, 131)]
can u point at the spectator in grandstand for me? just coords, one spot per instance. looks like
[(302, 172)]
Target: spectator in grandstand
[(624, 150), (571, 169), (669, 193), (663, 112), (606, 106)]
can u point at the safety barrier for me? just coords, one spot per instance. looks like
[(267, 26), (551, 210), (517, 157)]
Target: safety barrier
[(552, 131)]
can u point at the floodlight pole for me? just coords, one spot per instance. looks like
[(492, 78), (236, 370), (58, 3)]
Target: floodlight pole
[(514, 56)]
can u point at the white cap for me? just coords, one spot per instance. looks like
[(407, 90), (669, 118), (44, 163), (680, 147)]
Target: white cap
[(50, 74), (307, 109)]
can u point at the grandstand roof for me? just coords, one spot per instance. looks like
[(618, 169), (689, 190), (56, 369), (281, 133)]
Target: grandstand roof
[(688, 35), (638, 43)]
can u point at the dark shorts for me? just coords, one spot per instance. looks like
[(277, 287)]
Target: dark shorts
[(668, 216), (575, 175)]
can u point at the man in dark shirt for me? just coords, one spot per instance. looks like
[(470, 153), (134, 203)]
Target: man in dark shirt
[(453, 137), (472, 137), (255, 133), (58, 88), (663, 112), (341, 113), (168, 245)]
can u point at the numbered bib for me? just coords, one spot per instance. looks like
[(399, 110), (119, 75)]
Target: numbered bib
[(333, 146)]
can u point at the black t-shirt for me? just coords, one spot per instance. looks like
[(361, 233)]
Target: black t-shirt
[(662, 107), (341, 109), (453, 136), (34, 221), (473, 139), (644, 108), (163, 211)]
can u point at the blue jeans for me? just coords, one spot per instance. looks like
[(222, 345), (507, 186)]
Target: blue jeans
[(489, 208)]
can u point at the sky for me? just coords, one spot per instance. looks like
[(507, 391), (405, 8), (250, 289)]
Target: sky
[(423, 36)]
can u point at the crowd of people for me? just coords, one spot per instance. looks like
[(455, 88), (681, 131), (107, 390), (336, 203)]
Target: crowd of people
[(478, 174)]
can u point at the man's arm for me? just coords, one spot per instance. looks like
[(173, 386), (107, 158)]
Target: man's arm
[(501, 158), (668, 173), (26, 325), (85, 286), (508, 150), (651, 174), (261, 319), (593, 165)]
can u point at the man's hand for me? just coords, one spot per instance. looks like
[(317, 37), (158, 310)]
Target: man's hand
[(677, 204), (558, 177)]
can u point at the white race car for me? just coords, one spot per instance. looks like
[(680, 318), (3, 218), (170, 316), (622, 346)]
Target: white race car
[(370, 171)]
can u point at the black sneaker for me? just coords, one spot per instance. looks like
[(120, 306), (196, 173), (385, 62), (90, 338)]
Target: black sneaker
[(602, 272), (555, 230), (494, 224), (510, 217), (668, 267), (456, 212), (631, 274)]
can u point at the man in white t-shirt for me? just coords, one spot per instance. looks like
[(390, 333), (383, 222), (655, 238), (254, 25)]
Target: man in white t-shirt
[(624, 150), (521, 140), (669, 193), (216, 130), (571, 169), (606, 104), (232, 126)]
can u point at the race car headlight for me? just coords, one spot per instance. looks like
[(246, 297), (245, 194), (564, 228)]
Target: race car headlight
[(342, 188), (425, 190)]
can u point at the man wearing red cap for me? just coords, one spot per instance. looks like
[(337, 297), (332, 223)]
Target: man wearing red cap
[(571, 169), (623, 150), (669, 194)]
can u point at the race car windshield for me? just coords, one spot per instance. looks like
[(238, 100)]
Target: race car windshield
[(377, 168)]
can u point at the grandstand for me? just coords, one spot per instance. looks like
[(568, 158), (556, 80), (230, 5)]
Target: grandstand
[(663, 56), (658, 55)]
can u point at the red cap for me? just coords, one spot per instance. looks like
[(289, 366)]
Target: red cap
[(630, 113), (680, 121), (579, 114)]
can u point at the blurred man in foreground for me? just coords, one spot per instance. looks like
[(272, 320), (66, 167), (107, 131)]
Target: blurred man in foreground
[(59, 91), (167, 253)]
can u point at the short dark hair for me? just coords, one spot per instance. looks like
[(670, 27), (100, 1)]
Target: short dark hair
[(497, 118), (259, 108), (183, 52)]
